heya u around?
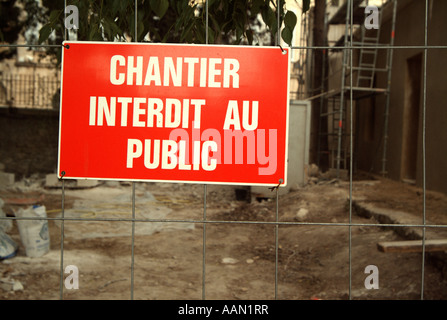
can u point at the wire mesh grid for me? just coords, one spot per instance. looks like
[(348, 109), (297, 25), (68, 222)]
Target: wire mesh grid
[(205, 221)]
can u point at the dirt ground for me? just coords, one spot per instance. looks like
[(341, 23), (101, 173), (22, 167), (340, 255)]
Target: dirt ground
[(313, 259)]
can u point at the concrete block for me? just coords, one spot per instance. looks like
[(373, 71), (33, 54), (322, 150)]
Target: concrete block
[(52, 181), (342, 174), (84, 183), (6, 179), (298, 149)]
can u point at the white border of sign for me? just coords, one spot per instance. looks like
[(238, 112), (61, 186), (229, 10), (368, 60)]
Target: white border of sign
[(178, 181)]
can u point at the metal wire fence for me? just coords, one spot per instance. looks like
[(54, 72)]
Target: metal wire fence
[(29, 91), (205, 221)]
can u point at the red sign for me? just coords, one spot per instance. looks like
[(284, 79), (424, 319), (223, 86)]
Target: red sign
[(174, 113)]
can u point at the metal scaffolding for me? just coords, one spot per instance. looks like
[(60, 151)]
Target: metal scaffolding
[(302, 65), (357, 80)]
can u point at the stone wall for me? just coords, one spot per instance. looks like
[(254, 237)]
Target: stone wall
[(28, 141)]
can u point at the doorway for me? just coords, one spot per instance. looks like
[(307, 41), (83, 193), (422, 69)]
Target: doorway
[(412, 102)]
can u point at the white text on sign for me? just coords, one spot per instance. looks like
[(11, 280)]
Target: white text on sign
[(125, 71)]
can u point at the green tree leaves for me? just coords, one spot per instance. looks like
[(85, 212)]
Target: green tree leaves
[(306, 5), (159, 7), (289, 24), (229, 21)]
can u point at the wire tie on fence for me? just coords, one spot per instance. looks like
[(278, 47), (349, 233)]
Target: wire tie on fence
[(276, 187), (66, 46), (282, 50), (62, 175)]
